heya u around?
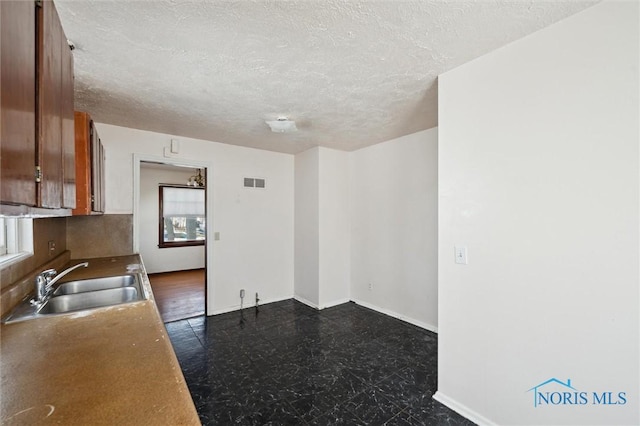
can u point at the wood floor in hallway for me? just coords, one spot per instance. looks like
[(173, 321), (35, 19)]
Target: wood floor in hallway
[(179, 294)]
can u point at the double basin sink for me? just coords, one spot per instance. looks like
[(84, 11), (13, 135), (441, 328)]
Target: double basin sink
[(80, 295), (93, 293)]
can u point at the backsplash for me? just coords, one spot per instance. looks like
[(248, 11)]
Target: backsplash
[(100, 236)]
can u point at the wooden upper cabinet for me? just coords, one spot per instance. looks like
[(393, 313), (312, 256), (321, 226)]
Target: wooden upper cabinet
[(54, 106), (68, 129), (18, 103), (37, 148), (89, 167)]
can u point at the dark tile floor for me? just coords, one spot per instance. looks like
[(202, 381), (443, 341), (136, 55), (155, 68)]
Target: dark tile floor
[(293, 365)]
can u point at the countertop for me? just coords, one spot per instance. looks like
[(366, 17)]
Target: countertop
[(111, 365)]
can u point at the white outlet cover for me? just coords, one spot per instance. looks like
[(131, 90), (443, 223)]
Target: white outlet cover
[(461, 255)]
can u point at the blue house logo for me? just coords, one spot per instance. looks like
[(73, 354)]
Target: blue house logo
[(544, 397), (557, 392)]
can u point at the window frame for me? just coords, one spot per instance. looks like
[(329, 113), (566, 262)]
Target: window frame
[(16, 240), (3, 237), (172, 244)]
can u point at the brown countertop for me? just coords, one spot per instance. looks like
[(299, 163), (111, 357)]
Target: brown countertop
[(111, 365)]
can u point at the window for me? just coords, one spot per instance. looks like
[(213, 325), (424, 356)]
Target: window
[(16, 239), (182, 220), (3, 237)]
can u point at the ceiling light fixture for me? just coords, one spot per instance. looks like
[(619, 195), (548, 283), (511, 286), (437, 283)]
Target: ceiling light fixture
[(282, 125), (196, 180)]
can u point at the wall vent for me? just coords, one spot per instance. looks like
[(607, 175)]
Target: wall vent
[(259, 183)]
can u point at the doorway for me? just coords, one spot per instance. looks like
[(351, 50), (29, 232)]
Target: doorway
[(179, 294), (175, 257)]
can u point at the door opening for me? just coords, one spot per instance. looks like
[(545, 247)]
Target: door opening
[(171, 234)]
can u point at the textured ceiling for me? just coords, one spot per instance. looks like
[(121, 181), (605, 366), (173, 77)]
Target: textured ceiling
[(351, 73)]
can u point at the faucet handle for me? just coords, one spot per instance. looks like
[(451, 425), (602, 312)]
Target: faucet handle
[(48, 274)]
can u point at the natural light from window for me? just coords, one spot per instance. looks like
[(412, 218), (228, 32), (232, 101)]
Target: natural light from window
[(182, 216), (16, 239)]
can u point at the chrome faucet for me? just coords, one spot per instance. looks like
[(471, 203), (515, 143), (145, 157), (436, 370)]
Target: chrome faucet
[(45, 281)]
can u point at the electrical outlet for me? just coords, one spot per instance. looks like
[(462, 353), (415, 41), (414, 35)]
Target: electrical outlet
[(461, 255), (52, 247), (370, 286), (242, 293)]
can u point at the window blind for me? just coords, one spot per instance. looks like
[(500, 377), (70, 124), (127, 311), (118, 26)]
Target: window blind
[(185, 202)]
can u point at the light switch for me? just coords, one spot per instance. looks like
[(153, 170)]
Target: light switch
[(216, 236), (461, 255), (175, 146)]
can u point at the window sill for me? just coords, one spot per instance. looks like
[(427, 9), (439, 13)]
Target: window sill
[(11, 259), (181, 244)]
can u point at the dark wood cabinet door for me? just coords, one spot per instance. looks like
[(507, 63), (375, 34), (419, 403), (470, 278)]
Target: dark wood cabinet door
[(89, 167), (98, 178), (50, 37), (68, 129), (83, 163), (18, 105)]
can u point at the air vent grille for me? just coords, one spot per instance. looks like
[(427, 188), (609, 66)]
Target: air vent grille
[(259, 183)]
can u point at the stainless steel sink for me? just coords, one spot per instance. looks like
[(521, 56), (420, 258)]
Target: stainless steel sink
[(79, 295), (81, 286), (89, 299)]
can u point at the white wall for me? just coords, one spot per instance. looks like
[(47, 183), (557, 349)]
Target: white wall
[(538, 160), (334, 225), (307, 242), (322, 230), (394, 227), (162, 259), (255, 250)]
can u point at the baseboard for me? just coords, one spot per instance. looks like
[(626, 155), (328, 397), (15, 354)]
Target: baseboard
[(463, 410), (237, 307), (334, 303), (404, 318), (305, 301), (300, 299)]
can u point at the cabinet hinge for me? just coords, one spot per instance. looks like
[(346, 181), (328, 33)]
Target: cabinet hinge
[(38, 174), (38, 3)]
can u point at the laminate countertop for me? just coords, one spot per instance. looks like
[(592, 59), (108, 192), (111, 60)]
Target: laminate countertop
[(112, 365)]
